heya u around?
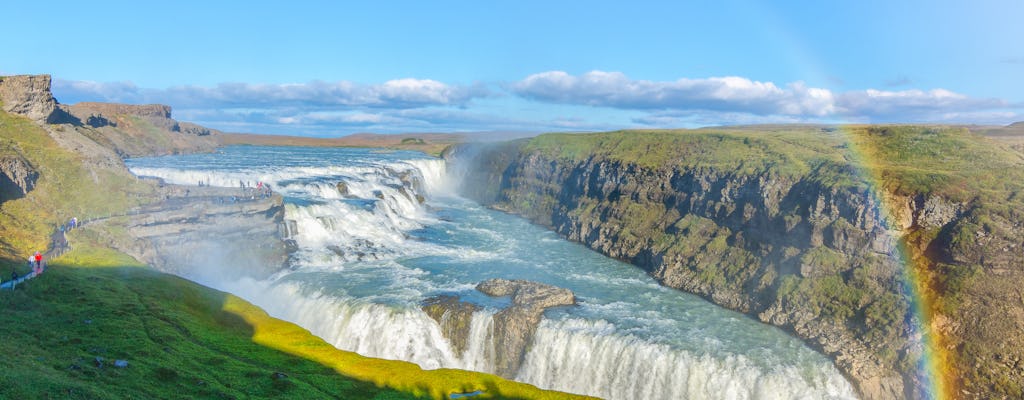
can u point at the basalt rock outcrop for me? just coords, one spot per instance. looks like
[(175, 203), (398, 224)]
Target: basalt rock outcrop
[(513, 327), (819, 253), (28, 95), (454, 317), (207, 233), (17, 177)]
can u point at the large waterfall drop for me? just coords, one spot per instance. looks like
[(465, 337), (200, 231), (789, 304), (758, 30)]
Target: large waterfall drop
[(378, 232)]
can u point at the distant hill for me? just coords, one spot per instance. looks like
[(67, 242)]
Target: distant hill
[(128, 130), (430, 143)]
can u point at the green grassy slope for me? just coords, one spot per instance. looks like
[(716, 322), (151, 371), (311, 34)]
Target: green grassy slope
[(177, 338)]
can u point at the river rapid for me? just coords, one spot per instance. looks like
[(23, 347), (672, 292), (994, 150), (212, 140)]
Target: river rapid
[(394, 232)]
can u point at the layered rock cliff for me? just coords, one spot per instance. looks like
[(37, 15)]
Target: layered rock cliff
[(782, 228), (28, 95), (206, 233)]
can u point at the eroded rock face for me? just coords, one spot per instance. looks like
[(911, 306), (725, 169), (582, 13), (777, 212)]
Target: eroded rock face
[(203, 233), (528, 294), (454, 316), (17, 177), (28, 95), (189, 128), (513, 327)]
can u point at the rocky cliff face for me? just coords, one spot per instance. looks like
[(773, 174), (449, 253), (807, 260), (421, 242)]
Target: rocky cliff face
[(128, 130), (17, 177), (818, 259), (145, 110), (28, 95), (207, 233)]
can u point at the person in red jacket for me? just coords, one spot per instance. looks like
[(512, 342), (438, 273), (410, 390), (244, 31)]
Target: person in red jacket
[(39, 263)]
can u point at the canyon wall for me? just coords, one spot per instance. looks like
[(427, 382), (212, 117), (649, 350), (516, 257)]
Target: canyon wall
[(815, 250)]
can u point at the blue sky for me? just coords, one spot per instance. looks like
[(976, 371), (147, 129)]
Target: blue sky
[(331, 69)]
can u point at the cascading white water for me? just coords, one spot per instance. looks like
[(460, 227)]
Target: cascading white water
[(589, 357), (369, 255)]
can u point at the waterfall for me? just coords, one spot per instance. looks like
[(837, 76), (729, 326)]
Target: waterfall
[(370, 250)]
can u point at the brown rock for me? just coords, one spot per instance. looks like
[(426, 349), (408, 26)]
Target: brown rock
[(28, 95)]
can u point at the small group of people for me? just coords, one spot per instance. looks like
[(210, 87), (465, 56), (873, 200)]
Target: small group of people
[(36, 263), (260, 190), (71, 224)]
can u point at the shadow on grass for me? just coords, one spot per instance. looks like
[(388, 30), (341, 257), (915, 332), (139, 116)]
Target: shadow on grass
[(64, 330)]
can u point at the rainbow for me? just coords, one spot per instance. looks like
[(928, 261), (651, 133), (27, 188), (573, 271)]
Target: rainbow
[(933, 369)]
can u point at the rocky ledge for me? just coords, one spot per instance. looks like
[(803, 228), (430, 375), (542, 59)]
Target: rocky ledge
[(513, 327), (207, 233)]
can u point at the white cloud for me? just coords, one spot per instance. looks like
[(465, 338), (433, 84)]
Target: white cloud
[(399, 93), (912, 103), (730, 93), (730, 96), (596, 100)]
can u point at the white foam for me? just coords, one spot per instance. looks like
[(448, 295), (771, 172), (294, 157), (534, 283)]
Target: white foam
[(590, 358)]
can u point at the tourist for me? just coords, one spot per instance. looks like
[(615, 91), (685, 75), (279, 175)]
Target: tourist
[(39, 261)]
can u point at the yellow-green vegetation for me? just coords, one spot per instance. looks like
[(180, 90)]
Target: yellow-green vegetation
[(64, 330), (789, 152), (186, 341), (947, 161), (67, 187)]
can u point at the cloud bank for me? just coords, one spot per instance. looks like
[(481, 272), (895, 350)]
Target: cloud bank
[(398, 93), (595, 100), (741, 96)]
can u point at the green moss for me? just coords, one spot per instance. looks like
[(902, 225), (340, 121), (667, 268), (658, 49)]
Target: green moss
[(788, 153), (823, 258)]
